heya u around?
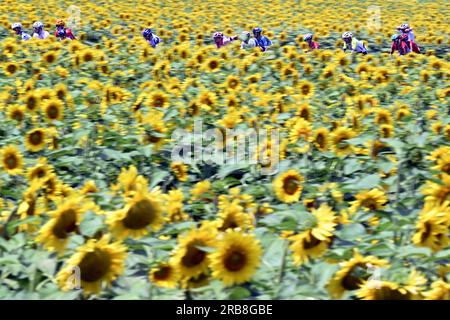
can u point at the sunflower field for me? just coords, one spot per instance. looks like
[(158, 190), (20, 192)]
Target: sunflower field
[(92, 206)]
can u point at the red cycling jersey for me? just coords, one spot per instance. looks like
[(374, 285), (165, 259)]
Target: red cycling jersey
[(67, 34)]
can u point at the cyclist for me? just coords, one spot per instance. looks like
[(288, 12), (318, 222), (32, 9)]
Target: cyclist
[(62, 32), (220, 40), (150, 37), (353, 44), (17, 27), (39, 31), (261, 41), (308, 38)]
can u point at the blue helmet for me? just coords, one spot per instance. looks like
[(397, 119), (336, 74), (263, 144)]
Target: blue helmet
[(257, 30), (147, 32)]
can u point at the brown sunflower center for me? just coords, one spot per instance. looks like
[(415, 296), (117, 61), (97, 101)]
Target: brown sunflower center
[(235, 261), (65, 224), (193, 256), (36, 138), (162, 273), (31, 103), (95, 265), (428, 228), (11, 161), (369, 203), (311, 242), (229, 223), (291, 185), (158, 101), (17, 115), (52, 112), (320, 140), (305, 89), (351, 281), (140, 215), (233, 83), (446, 168), (213, 64), (11, 68)]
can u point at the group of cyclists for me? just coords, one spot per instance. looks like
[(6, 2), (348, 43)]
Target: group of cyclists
[(61, 32), (403, 42)]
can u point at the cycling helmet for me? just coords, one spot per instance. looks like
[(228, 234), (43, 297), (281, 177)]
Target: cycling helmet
[(307, 37), (257, 30), (347, 35), (38, 24), (60, 22), (147, 32), (404, 26), (16, 25), (218, 35)]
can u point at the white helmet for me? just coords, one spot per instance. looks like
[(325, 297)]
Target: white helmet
[(38, 24), (307, 37), (16, 25), (347, 35), (404, 26)]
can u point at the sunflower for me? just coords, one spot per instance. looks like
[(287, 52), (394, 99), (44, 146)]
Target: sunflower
[(437, 193), (237, 258), (180, 170), (201, 190), (288, 186), (143, 211), (158, 99), (196, 281), (129, 181), (53, 109), (322, 223), (49, 57), (440, 290), (40, 171), (369, 200), (89, 187), (386, 130), (321, 138), (60, 91), (191, 256), (304, 111), (64, 221), (305, 246), (443, 164), (408, 289), (352, 273), (301, 129), (96, 262), (32, 101), (233, 216), (165, 275), (383, 116), (306, 89), (174, 204), (339, 138), (32, 205), (35, 139), (207, 98), (432, 227), (10, 68), (16, 113), (11, 160), (232, 82), (211, 65)]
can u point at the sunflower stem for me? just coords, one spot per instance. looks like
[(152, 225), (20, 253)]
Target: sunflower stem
[(282, 267)]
